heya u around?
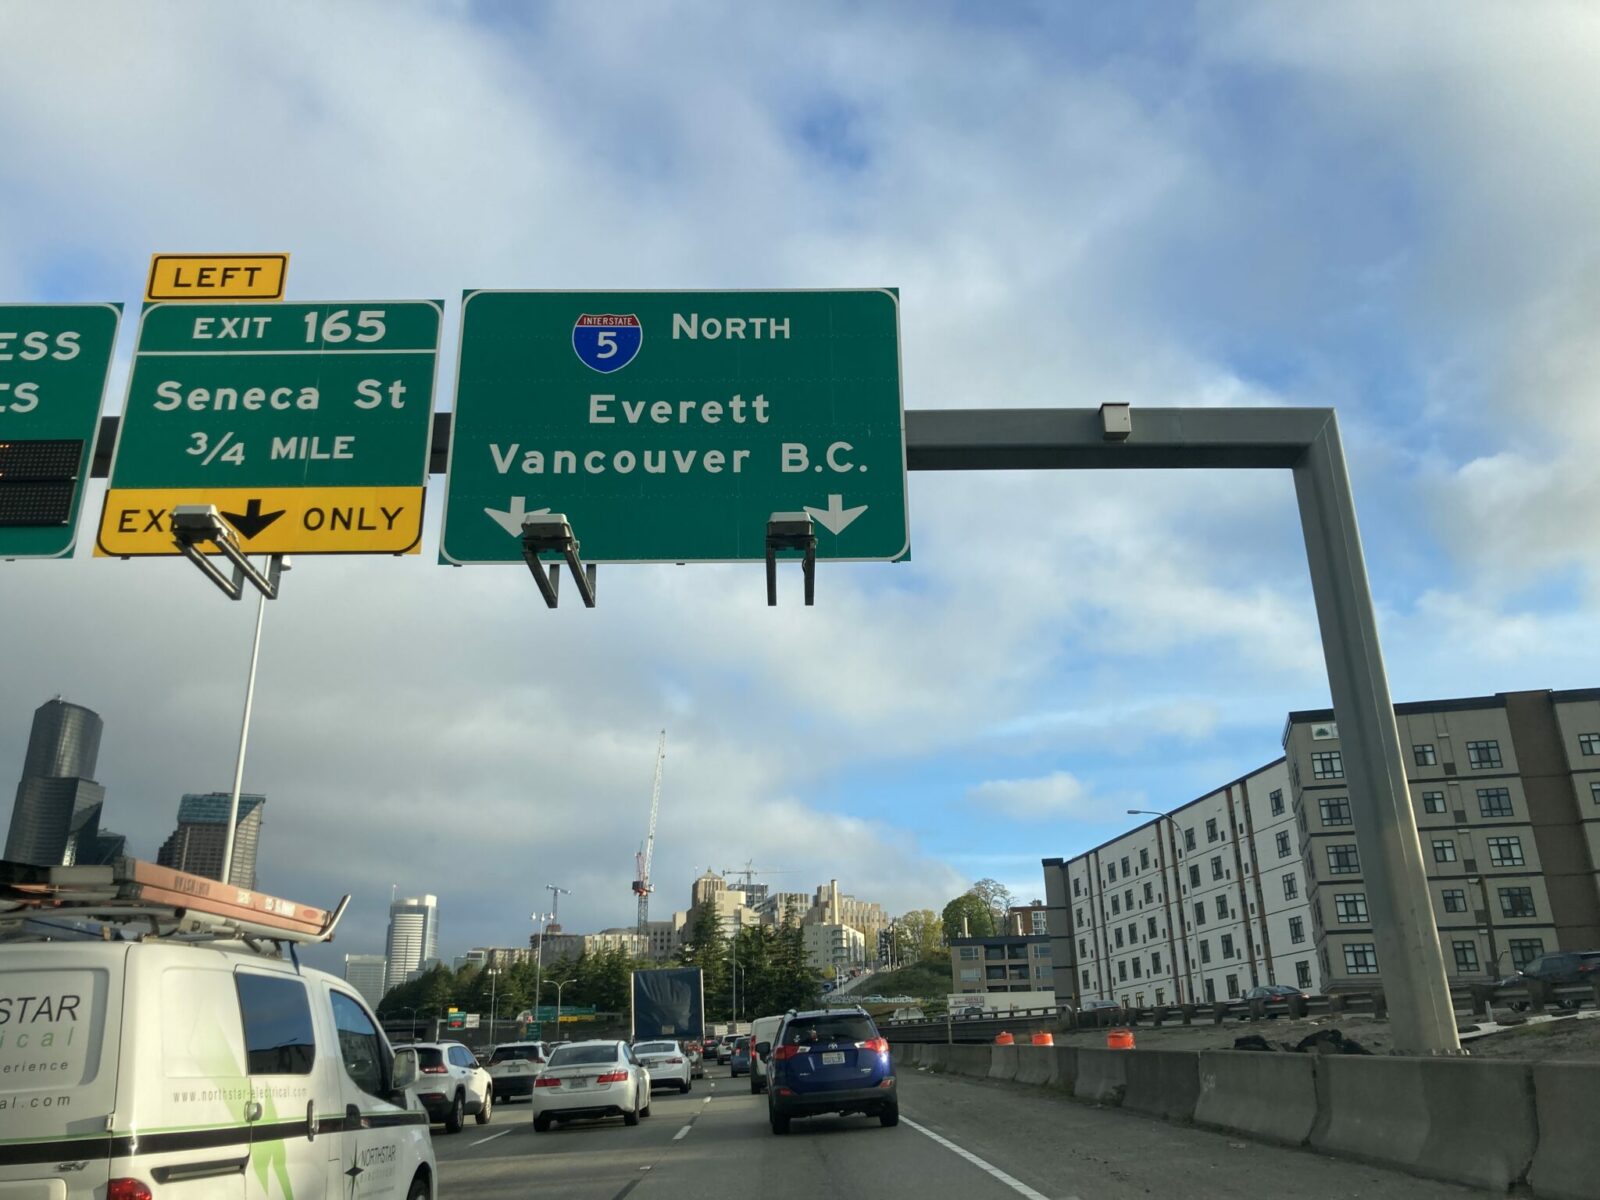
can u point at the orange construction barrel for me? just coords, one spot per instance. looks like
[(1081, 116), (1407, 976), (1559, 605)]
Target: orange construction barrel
[(1044, 1039), (1119, 1039), (1004, 1039)]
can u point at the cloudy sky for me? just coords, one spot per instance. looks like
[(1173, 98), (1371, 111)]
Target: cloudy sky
[(1388, 209)]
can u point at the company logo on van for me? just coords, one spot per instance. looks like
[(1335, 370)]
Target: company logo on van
[(29, 1010)]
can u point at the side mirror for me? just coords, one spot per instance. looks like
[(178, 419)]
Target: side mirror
[(763, 1048), (404, 1072)]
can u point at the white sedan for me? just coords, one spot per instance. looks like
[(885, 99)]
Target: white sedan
[(667, 1062), (586, 1081)]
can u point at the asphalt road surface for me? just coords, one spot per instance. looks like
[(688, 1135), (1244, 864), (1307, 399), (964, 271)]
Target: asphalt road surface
[(957, 1138)]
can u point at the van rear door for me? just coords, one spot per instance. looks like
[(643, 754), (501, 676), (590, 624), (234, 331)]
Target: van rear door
[(60, 1021)]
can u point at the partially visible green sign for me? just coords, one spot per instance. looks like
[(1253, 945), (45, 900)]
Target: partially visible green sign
[(669, 426), (54, 360)]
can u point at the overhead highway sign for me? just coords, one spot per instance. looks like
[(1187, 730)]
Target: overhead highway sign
[(306, 425), (669, 426)]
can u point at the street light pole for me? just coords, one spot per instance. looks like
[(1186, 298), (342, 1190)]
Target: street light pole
[(244, 738), (1177, 900), (559, 985), (538, 960)]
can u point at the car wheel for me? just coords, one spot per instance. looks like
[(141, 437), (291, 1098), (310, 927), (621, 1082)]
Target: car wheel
[(419, 1189), (755, 1088), (645, 1111), (685, 1085), (889, 1115), (780, 1124), (541, 1123), (630, 1118), (487, 1111), (457, 1116)]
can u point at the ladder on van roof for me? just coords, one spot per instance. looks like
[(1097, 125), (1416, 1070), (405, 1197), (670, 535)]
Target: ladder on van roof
[(38, 903)]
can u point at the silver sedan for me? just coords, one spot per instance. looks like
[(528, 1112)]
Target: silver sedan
[(667, 1062)]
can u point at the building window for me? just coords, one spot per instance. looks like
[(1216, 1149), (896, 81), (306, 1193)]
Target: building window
[(1077, 916), (1276, 797), (1083, 950), (1122, 971), (1494, 802), (1155, 963), (1589, 744), (1127, 899), (1327, 764), (1211, 830), (1111, 873), (1222, 908), (1594, 792), (1133, 932), (1297, 930), (1433, 802), (1144, 859), (1444, 850), (1188, 839), (1335, 810), (1525, 950), (1077, 887), (1233, 987), (1199, 913), (1136, 974), (1149, 893), (1455, 900), (1283, 844), (1423, 753), (1116, 906), (1117, 933), (1466, 957), (1194, 875), (1227, 945), (1205, 950), (1291, 886), (1302, 973), (1506, 852), (1150, 924), (1086, 977), (1343, 860), (1350, 908), (1126, 869), (1517, 902), (1360, 958), (1483, 755), (970, 953), (1216, 866)]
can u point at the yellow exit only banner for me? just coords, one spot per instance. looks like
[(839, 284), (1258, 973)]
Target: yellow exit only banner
[(342, 520), (216, 277)]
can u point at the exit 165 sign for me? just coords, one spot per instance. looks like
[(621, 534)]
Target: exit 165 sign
[(669, 426)]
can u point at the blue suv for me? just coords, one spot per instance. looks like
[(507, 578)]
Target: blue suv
[(830, 1061)]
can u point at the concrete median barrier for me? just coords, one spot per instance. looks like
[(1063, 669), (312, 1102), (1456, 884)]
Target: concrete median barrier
[(1066, 1067), (1268, 1096), (1036, 1065), (1101, 1076), (1566, 1165), (1163, 1083), (936, 1057), (1467, 1121), (1003, 1063), (971, 1061)]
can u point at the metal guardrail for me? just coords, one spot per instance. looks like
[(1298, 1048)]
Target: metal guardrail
[(1469, 1001)]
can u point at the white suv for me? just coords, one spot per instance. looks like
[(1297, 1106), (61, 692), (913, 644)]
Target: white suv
[(450, 1084), (513, 1067)]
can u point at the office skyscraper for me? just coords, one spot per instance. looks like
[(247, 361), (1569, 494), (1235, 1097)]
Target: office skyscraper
[(56, 816), (198, 843), (365, 973), (413, 937)]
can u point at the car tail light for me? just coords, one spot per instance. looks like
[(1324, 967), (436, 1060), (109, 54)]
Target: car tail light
[(441, 1069), (127, 1189), (1588, 968), (612, 1077), (877, 1045), (547, 1081), (784, 1053), (675, 1062)]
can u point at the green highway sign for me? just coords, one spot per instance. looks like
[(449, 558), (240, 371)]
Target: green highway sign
[(54, 359), (668, 426), (307, 425)]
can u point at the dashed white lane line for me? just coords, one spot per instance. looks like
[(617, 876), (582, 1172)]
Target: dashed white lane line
[(682, 1133), (490, 1138), (1015, 1185)]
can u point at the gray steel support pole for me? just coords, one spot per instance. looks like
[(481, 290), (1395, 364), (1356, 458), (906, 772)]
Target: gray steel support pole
[(244, 738), (1410, 958)]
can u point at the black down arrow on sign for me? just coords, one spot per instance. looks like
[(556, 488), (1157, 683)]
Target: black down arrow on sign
[(252, 520)]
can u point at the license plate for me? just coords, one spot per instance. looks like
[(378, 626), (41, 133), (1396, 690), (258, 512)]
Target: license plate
[(833, 1058), (578, 1082)]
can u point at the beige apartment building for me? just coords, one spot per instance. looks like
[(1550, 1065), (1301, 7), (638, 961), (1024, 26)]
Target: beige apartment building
[(1506, 792)]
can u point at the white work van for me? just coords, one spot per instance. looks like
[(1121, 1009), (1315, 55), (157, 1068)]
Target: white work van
[(762, 1031), (159, 1039)]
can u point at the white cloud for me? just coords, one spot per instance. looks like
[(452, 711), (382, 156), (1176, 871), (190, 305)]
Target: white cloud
[(1053, 796)]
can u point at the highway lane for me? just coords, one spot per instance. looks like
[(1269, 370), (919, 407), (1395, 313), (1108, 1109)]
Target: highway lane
[(961, 1138)]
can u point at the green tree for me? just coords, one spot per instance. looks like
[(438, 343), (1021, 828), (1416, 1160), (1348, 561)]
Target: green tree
[(919, 937), (996, 897), (967, 916), (704, 946)]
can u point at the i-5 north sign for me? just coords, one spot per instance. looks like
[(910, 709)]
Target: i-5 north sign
[(668, 426), (306, 425)]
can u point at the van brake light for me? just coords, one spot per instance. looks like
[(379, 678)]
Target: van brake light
[(127, 1189)]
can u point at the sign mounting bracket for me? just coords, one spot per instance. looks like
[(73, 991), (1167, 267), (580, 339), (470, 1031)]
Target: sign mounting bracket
[(195, 525), (544, 532), (791, 531)]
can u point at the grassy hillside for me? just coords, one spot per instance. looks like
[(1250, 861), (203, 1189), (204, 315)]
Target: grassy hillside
[(927, 980)]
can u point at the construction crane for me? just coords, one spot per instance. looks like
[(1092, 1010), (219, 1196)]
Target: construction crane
[(750, 872), (641, 861)]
